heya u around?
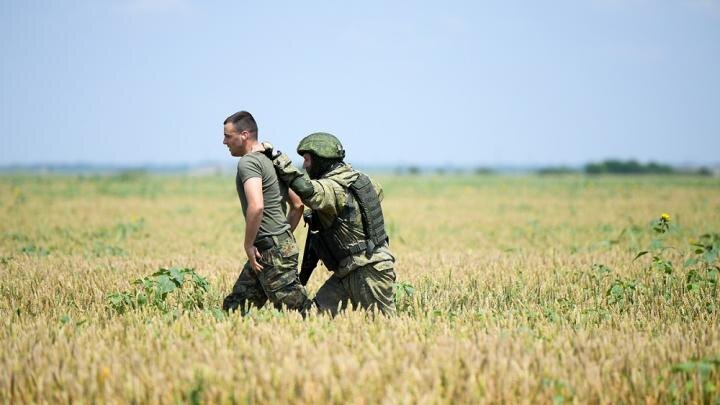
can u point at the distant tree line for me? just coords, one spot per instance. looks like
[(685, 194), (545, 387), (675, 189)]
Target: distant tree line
[(606, 167), (614, 166), (555, 170), (627, 167)]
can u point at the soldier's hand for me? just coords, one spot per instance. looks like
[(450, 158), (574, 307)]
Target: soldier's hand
[(253, 256), (270, 151), (308, 217)]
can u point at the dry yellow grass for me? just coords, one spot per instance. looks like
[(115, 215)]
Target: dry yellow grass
[(510, 304)]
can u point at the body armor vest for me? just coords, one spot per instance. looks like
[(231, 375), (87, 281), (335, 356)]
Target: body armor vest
[(358, 228)]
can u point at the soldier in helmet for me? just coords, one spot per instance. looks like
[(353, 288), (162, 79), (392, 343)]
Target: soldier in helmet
[(347, 230), (271, 269)]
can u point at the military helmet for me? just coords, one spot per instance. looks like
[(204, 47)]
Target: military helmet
[(323, 145)]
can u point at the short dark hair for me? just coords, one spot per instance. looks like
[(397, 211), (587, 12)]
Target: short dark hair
[(242, 121)]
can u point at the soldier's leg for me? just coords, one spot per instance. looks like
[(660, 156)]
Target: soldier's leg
[(246, 292), (279, 276), (332, 295), (371, 287)]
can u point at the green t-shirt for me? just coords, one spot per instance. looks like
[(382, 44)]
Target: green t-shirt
[(274, 217)]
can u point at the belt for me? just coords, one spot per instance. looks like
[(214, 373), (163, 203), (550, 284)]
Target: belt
[(270, 241)]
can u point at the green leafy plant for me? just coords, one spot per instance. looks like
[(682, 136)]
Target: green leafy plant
[(187, 288), (32, 250), (698, 375), (622, 291), (661, 226), (707, 251), (704, 267), (403, 292), (67, 320), (562, 392), (120, 302), (696, 279), (600, 270)]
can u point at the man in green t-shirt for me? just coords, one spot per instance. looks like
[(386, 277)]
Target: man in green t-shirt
[(272, 253)]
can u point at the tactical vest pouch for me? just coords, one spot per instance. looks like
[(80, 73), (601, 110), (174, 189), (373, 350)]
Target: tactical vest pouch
[(344, 237), (372, 215)]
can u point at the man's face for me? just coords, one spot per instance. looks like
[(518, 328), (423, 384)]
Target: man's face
[(234, 139), (307, 161)]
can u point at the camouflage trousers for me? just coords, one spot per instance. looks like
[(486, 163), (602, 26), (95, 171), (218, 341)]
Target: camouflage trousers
[(369, 287), (277, 281)]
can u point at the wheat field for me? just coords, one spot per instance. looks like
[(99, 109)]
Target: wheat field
[(511, 289)]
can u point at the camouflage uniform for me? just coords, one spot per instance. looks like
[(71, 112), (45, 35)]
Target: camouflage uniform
[(363, 279), (278, 280)]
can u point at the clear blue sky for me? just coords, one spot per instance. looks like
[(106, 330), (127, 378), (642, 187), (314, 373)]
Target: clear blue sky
[(464, 83)]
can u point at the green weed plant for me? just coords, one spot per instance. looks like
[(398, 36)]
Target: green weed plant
[(188, 289)]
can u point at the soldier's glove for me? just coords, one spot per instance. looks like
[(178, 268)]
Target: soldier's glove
[(292, 177), (269, 151), (284, 165)]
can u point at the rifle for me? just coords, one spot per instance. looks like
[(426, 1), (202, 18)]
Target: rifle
[(310, 256)]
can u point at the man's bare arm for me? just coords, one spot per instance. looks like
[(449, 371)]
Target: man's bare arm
[(253, 216), (296, 210)]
